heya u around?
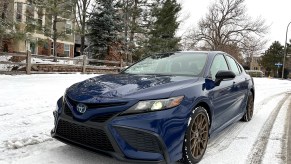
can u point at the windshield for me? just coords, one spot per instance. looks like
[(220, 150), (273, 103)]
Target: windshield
[(181, 63)]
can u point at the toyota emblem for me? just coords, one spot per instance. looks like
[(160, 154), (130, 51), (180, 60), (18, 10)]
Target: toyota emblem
[(81, 108)]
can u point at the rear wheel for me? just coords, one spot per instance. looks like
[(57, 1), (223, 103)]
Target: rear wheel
[(196, 137), (249, 109)]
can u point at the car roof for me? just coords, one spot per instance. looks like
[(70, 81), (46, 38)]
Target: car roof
[(210, 53)]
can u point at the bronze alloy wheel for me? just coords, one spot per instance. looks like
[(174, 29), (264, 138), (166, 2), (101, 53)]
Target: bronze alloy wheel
[(249, 109), (199, 135), (196, 136)]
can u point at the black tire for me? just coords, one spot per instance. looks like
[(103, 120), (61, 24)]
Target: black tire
[(249, 109), (196, 137)]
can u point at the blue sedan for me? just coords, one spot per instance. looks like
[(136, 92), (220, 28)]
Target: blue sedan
[(161, 109)]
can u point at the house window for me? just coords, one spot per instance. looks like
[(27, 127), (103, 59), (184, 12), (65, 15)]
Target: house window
[(68, 27), (67, 50), (39, 20), (19, 12)]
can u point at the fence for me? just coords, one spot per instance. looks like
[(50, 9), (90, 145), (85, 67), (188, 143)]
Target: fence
[(30, 68)]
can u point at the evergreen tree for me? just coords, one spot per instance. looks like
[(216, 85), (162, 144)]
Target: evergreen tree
[(162, 35), (138, 20), (272, 56), (105, 26)]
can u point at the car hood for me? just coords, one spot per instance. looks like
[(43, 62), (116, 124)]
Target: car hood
[(127, 86)]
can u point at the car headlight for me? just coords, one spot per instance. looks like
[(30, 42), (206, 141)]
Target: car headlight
[(155, 105)]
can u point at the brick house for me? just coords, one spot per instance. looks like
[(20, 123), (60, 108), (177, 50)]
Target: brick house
[(23, 14)]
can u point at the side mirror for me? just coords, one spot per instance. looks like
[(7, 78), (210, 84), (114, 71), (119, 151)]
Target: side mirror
[(223, 75)]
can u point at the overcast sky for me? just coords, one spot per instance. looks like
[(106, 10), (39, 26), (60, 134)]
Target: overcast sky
[(277, 14)]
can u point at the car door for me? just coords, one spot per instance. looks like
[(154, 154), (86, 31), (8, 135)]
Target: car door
[(240, 87), (221, 96)]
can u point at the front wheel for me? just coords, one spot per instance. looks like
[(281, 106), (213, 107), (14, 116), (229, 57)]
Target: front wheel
[(249, 109), (196, 137)]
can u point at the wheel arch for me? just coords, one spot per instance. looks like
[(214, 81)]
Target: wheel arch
[(253, 92), (207, 108)]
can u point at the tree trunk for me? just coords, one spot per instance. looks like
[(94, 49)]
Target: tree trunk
[(108, 49), (1, 43), (126, 32), (133, 28), (55, 17), (82, 45), (83, 24), (55, 38)]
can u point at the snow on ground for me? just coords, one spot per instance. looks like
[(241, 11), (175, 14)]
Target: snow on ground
[(26, 108), (27, 102), (5, 67), (35, 60)]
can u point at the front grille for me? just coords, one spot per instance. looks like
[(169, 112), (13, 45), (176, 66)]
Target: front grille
[(102, 118), (67, 110), (140, 140), (87, 136), (95, 105)]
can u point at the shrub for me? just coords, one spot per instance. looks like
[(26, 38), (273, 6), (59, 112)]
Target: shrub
[(255, 73)]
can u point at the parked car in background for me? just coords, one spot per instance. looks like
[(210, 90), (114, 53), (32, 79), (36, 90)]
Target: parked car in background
[(163, 108)]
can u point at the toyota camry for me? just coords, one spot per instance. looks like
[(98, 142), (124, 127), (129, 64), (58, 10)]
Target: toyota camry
[(164, 108)]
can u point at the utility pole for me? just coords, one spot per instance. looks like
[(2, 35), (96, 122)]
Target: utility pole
[(285, 54)]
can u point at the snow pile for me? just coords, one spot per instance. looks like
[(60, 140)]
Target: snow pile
[(19, 143), (5, 67), (35, 60)]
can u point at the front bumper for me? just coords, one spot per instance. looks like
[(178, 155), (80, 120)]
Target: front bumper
[(143, 138)]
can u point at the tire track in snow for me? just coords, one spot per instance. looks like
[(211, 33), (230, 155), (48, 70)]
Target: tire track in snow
[(260, 105), (288, 133), (261, 143), (228, 135)]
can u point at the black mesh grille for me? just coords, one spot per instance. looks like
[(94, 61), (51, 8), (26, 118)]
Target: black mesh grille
[(95, 105), (102, 118), (87, 136), (140, 140), (67, 110)]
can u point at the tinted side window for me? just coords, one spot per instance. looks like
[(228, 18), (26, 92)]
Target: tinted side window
[(233, 65), (219, 64)]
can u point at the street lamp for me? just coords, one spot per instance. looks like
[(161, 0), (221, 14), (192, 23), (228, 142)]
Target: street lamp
[(285, 54)]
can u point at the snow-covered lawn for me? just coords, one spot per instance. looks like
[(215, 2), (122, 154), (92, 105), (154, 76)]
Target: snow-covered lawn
[(27, 102)]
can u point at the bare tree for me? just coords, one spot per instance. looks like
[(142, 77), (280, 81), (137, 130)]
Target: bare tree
[(227, 23)]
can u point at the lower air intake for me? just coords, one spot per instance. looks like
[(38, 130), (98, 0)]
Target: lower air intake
[(87, 136)]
